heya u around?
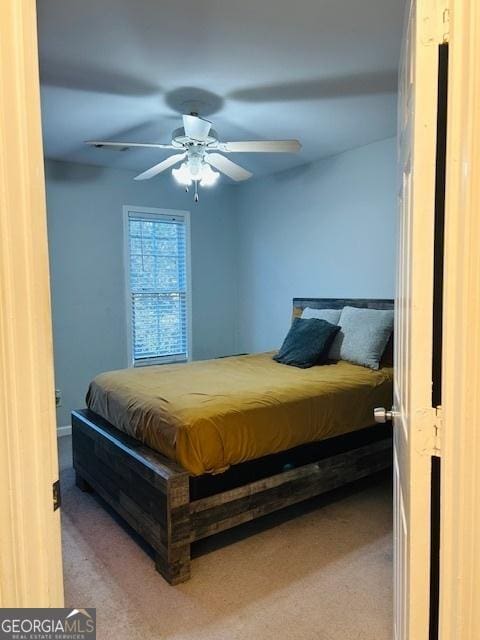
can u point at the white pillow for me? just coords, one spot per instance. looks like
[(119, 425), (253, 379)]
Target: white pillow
[(329, 315)]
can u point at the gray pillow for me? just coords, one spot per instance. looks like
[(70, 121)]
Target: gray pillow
[(330, 315), (363, 336)]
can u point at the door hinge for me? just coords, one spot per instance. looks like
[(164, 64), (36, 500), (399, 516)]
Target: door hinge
[(57, 496), (445, 28), (437, 430)]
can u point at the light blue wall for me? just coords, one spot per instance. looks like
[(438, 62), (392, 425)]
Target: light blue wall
[(85, 229), (323, 230)]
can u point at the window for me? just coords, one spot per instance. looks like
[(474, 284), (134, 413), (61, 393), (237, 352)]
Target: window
[(158, 285)]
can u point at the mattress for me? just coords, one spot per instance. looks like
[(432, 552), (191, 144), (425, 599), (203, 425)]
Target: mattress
[(211, 414)]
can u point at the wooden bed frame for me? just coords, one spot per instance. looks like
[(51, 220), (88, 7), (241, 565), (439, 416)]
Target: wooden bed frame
[(170, 509)]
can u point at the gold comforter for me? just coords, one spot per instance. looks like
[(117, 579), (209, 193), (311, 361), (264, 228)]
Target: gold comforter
[(210, 414)]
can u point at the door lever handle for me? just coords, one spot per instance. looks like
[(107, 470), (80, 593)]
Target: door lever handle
[(381, 415)]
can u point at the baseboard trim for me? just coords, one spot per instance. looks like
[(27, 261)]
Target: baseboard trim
[(64, 431)]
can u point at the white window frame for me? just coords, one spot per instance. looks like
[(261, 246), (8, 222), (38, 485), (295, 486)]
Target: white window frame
[(155, 213)]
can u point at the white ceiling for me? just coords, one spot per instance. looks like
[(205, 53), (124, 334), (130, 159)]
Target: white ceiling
[(322, 71)]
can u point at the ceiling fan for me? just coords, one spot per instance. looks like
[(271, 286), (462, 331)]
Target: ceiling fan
[(199, 145)]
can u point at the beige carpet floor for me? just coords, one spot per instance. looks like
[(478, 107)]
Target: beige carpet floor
[(322, 571)]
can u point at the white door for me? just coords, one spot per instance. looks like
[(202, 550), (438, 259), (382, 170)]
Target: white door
[(414, 413)]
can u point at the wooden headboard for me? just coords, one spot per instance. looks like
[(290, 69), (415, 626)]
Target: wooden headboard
[(299, 304)]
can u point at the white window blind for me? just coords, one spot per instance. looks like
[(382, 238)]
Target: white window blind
[(157, 262)]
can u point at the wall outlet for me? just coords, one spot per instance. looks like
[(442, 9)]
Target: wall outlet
[(58, 398)]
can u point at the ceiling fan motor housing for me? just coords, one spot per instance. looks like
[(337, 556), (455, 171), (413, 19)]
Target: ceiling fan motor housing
[(181, 140)]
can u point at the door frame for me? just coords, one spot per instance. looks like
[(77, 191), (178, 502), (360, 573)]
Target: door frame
[(30, 544), (460, 431)]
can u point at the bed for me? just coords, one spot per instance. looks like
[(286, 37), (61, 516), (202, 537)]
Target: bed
[(184, 451)]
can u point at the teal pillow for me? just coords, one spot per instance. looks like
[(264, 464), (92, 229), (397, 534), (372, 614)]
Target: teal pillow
[(363, 336), (307, 342)]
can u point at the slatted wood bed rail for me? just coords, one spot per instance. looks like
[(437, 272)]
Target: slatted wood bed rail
[(153, 494)]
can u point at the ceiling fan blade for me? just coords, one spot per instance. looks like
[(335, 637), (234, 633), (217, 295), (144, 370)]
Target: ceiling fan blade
[(196, 128), (226, 166), (161, 166), (262, 146), (99, 143)]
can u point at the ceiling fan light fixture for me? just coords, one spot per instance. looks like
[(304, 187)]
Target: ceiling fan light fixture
[(209, 177), (188, 173), (182, 175)]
